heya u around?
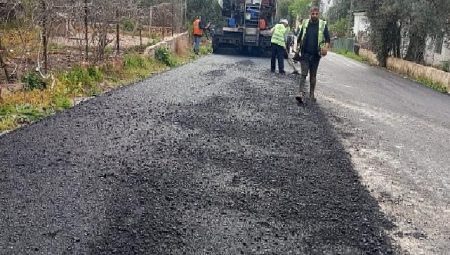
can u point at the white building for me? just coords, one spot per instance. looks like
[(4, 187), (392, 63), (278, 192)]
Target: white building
[(437, 51), (361, 23)]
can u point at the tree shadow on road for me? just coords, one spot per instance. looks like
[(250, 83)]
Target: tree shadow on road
[(248, 172)]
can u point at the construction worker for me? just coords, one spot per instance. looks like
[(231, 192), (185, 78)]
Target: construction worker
[(197, 33), (262, 24), (313, 42), (279, 32)]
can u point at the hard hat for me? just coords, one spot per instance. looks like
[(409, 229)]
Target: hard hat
[(284, 21)]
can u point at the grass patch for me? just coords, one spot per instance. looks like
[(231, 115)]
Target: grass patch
[(351, 55), (41, 98), (7, 123), (206, 49), (164, 55), (82, 81), (432, 84)]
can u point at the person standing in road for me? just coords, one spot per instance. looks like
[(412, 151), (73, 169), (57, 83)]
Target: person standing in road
[(197, 27), (279, 32), (313, 41)]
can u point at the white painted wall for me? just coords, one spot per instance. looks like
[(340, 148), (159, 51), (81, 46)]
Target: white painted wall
[(361, 22), (433, 58)]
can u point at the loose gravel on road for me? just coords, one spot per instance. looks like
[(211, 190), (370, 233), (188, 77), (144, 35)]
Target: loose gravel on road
[(214, 157)]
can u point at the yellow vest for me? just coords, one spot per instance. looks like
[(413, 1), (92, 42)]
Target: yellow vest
[(278, 35), (322, 24)]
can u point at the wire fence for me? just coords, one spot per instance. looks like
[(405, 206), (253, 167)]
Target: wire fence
[(44, 35)]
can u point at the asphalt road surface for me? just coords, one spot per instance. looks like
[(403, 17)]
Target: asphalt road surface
[(216, 157)]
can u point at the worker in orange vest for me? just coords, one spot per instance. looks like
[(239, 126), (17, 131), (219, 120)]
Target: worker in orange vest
[(197, 32)]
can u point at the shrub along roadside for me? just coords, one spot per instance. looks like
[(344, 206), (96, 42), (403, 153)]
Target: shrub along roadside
[(43, 97)]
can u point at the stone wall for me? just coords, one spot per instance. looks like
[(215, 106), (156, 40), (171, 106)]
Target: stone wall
[(179, 44), (411, 69)]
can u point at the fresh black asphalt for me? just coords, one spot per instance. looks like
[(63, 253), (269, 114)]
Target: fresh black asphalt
[(214, 157)]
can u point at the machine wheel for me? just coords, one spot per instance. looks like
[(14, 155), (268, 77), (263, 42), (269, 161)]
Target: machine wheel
[(215, 47)]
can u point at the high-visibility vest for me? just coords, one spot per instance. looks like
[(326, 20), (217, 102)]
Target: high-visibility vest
[(321, 37), (196, 27), (278, 35)]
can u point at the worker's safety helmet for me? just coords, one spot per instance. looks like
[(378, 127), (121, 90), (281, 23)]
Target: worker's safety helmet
[(284, 21)]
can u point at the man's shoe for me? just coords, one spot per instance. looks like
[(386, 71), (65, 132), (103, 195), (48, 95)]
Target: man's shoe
[(299, 99), (282, 72), (295, 72), (312, 98)]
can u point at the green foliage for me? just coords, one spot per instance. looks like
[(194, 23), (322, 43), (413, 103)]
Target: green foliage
[(7, 123), (446, 66), (205, 50), (164, 55), (351, 55), (209, 10), (390, 19), (128, 24), (62, 102), (155, 38), (11, 116), (82, 81), (339, 10), (33, 81), (432, 84), (299, 8), (340, 28), (134, 61), (27, 113)]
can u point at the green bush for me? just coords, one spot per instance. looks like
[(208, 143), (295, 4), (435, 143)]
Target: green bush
[(62, 102), (164, 55), (340, 27), (446, 66), (134, 61), (206, 50), (82, 81), (26, 113), (33, 81), (94, 73), (155, 38), (128, 24)]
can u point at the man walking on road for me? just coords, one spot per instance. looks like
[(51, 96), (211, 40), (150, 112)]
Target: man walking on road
[(279, 32), (313, 41)]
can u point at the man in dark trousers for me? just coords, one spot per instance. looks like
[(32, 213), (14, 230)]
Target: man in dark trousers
[(278, 41), (313, 41)]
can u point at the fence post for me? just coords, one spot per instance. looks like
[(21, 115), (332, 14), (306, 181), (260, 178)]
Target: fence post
[(117, 33)]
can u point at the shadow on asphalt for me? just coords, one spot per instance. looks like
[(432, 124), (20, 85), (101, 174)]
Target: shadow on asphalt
[(248, 172)]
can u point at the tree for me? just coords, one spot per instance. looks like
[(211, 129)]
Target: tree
[(299, 8), (410, 21), (209, 10)]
